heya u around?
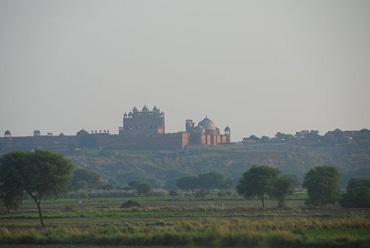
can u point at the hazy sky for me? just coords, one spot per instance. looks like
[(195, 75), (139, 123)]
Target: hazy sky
[(258, 66)]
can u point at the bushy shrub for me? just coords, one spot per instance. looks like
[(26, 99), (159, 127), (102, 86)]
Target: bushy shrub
[(221, 193), (173, 193), (202, 193)]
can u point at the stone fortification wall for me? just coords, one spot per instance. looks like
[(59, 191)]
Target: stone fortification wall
[(159, 141), (140, 130), (104, 140), (42, 142)]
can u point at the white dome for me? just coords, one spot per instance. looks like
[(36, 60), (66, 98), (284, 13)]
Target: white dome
[(207, 124)]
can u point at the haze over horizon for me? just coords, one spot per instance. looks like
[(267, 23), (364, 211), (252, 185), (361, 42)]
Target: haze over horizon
[(259, 67)]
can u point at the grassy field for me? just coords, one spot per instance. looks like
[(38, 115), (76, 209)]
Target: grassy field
[(184, 223)]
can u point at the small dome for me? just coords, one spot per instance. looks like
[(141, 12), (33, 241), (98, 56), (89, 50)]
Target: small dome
[(7, 133), (145, 109), (227, 128), (155, 108), (207, 124), (135, 109), (82, 132), (36, 133), (130, 114)]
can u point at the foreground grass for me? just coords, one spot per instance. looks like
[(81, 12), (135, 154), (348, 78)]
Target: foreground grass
[(352, 232), (197, 224)]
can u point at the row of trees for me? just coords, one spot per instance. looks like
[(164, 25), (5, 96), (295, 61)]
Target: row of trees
[(44, 174), (84, 179), (207, 181), (260, 181), (322, 184), (336, 136)]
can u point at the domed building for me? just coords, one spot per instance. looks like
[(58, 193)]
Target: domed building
[(82, 132), (149, 127), (206, 133), (207, 124), (7, 133), (143, 129)]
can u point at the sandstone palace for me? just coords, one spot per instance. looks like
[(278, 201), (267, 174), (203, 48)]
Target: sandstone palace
[(143, 129)]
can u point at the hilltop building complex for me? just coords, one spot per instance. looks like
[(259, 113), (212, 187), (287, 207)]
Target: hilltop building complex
[(143, 129)]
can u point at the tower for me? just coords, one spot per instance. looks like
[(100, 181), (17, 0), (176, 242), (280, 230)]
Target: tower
[(189, 126), (228, 134), (143, 122)]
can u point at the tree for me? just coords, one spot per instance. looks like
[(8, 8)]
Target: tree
[(358, 197), (141, 187), (135, 184), (313, 135), (254, 137), (257, 182), (229, 183), (265, 139), (106, 186), (358, 182), (283, 186), (357, 194), (211, 181), (322, 184), (284, 137), (144, 188), (297, 180), (40, 174), (338, 133), (85, 179), (187, 183)]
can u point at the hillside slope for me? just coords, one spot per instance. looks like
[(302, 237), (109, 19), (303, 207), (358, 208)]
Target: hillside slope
[(158, 167)]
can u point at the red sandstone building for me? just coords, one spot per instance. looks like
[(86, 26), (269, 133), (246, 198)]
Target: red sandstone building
[(140, 130)]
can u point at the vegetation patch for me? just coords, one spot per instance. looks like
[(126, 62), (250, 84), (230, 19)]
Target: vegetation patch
[(130, 204)]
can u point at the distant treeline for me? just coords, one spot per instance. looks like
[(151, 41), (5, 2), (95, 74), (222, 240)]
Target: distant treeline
[(322, 184), (312, 137)]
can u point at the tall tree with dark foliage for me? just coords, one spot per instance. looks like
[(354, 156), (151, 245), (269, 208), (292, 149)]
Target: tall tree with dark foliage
[(40, 174)]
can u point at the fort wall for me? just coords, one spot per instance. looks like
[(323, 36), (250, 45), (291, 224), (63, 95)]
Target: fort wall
[(158, 141), (140, 130), (65, 143), (42, 142)]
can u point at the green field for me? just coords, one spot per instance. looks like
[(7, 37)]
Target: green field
[(184, 223)]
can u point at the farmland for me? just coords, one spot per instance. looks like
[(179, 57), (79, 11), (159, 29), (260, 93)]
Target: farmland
[(186, 222)]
